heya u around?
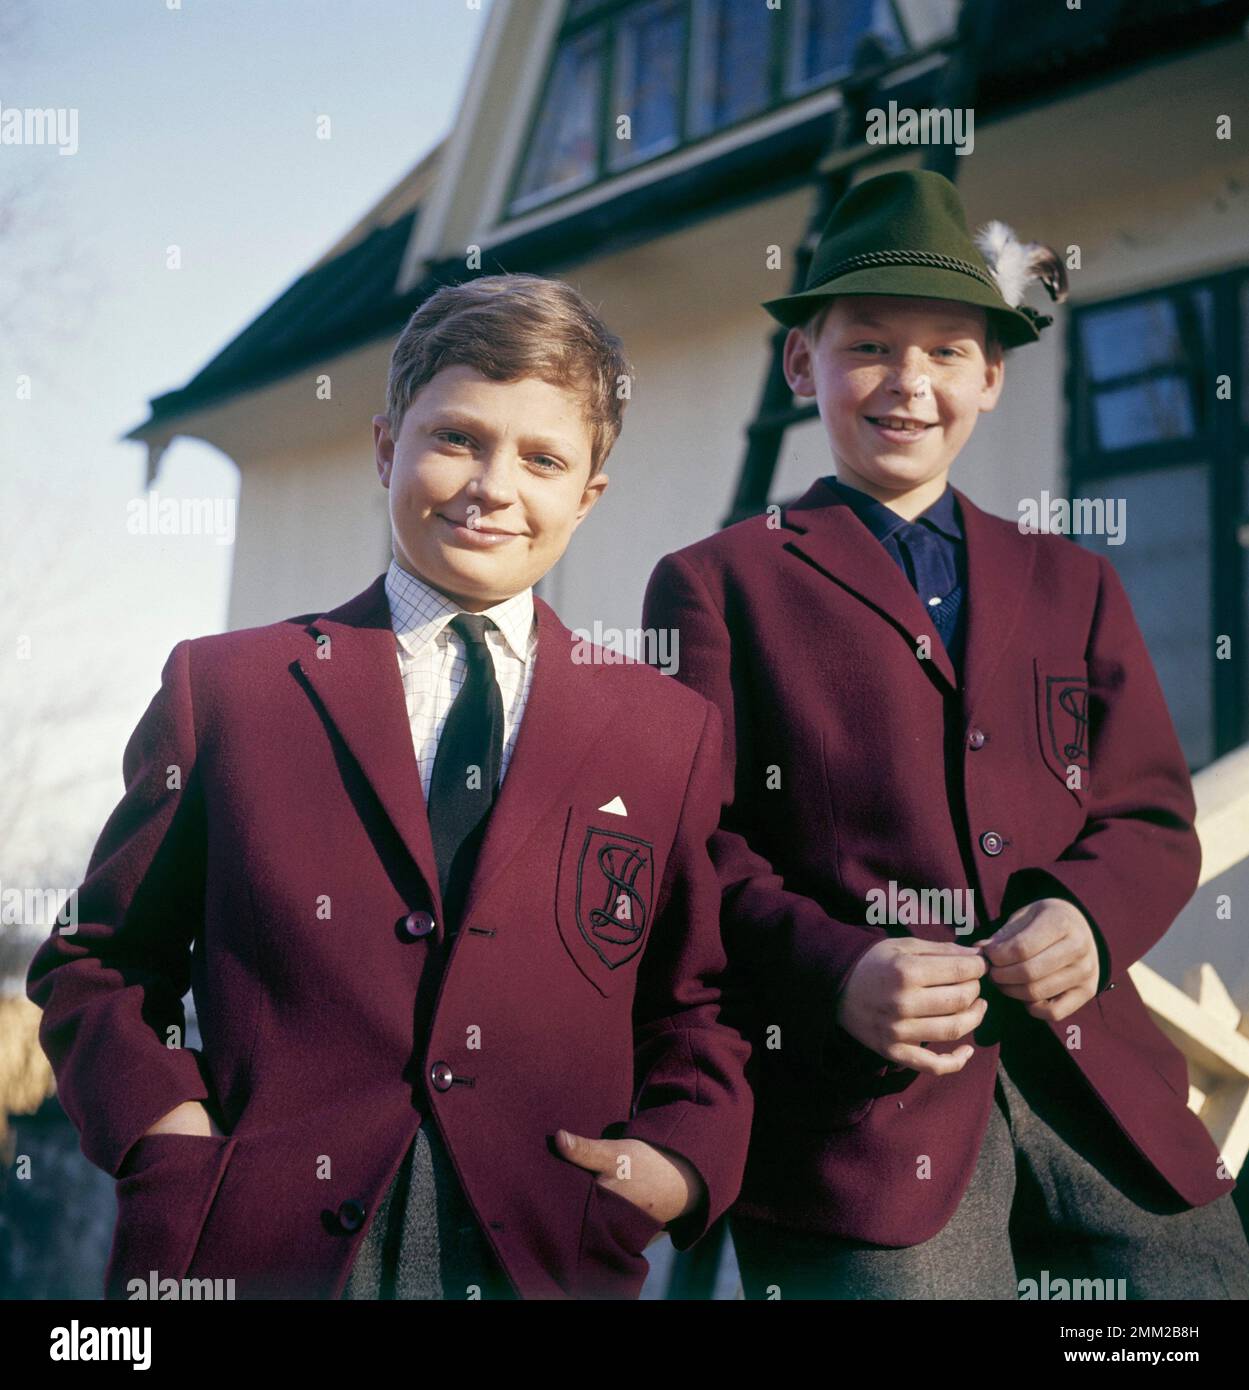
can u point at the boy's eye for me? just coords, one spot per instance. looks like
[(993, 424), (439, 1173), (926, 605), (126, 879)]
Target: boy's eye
[(877, 347), (454, 437), (554, 464)]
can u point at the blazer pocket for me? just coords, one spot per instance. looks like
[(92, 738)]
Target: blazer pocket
[(614, 1233), (604, 899), (165, 1189), (1062, 717), (1124, 1014), (815, 1104)]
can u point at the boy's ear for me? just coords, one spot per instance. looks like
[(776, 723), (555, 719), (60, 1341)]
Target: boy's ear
[(994, 380), (383, 448), (594, 489), (799, 370)]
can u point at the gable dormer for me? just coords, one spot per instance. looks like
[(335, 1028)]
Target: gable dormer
[(574, 101), (631, 80)]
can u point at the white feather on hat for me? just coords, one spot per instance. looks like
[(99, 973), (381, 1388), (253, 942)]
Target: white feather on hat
[(1014, 264)]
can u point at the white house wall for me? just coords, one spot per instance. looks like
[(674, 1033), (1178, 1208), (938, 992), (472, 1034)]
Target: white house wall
[(312, 531), (312, 525)]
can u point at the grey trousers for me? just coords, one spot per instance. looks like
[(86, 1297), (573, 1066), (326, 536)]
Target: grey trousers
[(424, 1241), (1059, 1193)]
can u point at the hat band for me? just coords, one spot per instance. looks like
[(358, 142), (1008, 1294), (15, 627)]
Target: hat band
[(932, 258)]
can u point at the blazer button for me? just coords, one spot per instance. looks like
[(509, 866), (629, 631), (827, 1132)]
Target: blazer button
[(351, 1214), (991, 842), (975, 739), (418, 924), (440, 1074)]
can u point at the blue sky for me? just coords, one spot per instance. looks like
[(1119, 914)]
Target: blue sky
[(196, 126)]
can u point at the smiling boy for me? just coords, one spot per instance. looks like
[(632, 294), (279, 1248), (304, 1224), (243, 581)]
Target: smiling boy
[(969, 711), (456, 946)]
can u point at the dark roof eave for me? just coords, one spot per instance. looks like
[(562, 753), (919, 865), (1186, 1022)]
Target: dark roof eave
[(167, 408)]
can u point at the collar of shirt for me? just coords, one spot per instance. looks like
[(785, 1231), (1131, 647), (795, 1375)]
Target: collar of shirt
[(883, 521), (419, 612)]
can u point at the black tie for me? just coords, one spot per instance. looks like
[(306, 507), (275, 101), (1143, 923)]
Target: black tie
[(466, 768)]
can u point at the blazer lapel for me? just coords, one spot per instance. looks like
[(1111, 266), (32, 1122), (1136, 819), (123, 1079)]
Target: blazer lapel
[(831, 536), (360, 689), (999, 574), (567, 712), (354, 675)]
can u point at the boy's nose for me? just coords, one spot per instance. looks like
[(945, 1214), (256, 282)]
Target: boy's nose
[(495, 479), (911, 380)]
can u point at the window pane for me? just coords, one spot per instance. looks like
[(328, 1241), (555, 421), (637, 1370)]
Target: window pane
[(1147, 335), (731, 61), (1154, 410), (650, 46), (1164, 563), (1131, 338), (564, 149), (825, 36)]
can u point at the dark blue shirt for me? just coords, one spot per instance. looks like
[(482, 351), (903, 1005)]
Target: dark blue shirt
[(930, 551)]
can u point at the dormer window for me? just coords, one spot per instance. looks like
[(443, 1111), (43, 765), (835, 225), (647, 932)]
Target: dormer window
[(650, 39), (631, 80), (826, 36), (564, 143), (731, 63)]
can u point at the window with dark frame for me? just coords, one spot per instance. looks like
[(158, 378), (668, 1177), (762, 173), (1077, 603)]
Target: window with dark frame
[(646, 81), (681, 71), (1147, 429)]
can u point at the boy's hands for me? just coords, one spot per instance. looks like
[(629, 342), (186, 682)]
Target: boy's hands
[(1045, 955), (663, 1184), (191, 1117), (905, 992)]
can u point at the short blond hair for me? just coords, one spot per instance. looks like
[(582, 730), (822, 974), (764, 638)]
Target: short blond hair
[(512, 326), (992, 339)]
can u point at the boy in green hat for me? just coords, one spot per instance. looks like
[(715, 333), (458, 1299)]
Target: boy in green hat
[(956, 814)]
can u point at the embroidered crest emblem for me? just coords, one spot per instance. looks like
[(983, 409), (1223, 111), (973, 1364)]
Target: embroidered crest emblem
[(1067, 719), (614, 882)]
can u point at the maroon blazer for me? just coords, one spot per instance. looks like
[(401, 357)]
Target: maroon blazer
[(291, 881), (849, 763)]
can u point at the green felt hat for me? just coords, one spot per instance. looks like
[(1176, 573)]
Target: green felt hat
[(905, 233)]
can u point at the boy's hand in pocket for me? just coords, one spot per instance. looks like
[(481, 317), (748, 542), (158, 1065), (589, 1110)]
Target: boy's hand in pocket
[(663, 1184)]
